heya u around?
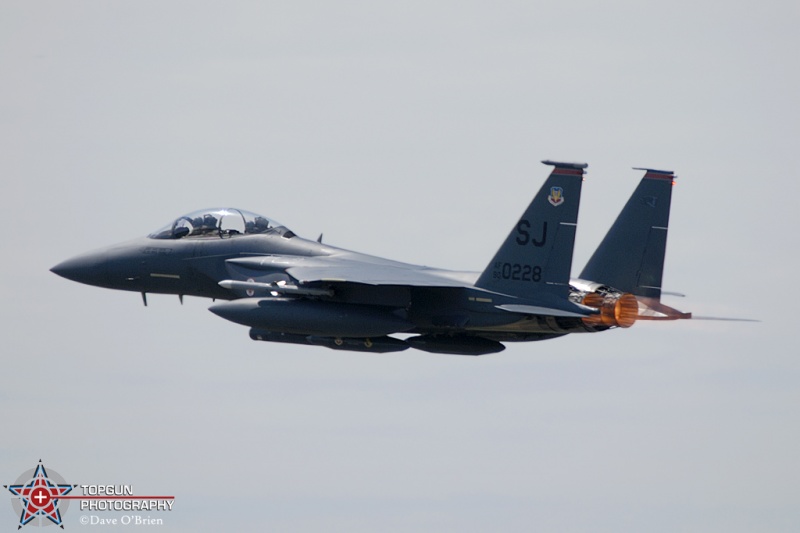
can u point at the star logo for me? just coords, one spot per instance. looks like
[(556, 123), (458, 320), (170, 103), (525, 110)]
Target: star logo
[(37, 495)]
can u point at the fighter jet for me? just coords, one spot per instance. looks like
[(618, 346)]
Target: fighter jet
[(289, 289)]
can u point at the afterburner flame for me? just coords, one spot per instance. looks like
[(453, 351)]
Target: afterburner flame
[(619, 310)]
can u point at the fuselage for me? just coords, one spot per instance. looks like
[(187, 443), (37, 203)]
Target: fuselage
[(195, 266)]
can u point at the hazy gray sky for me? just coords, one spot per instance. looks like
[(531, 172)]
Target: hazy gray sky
[(414, 131)]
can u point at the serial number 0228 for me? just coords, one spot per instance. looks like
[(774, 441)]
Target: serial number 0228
[(517, 272)]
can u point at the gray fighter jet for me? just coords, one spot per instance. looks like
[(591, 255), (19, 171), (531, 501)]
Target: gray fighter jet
[(289, 289)]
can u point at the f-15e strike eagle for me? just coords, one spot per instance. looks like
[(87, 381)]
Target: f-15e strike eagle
[(289, 289)]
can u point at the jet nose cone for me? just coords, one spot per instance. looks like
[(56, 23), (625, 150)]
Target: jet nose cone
[(88, 268)]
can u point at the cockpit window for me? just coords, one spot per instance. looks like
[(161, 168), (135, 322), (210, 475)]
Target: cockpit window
[(220, 223)]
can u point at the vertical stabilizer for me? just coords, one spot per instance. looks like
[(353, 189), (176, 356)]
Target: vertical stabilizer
[(631, 256), (536, 257)]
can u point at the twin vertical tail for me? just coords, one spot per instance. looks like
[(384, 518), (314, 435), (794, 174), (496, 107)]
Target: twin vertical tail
[(630, 260), (534, 261), (631, 256)]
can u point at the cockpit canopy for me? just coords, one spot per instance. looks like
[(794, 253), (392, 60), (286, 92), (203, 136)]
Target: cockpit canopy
[(220, 223)]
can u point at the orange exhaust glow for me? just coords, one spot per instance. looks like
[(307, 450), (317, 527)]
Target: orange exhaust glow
[(614, 311)]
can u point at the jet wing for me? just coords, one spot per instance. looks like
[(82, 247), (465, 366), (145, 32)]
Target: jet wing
[(309, 272), (372, 275), (346, 270)]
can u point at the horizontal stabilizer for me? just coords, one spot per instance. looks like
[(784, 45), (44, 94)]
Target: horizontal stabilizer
[(546, 311), (653, 309)]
